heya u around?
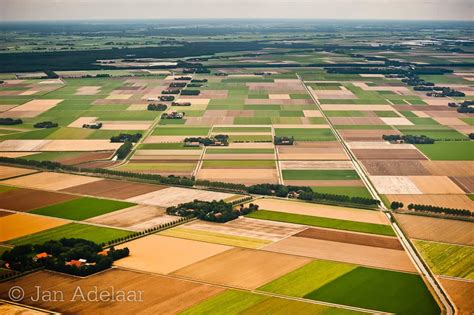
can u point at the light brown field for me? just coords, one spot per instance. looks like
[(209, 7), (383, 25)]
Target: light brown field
[(344, 252), (461, 292), (14, 309), (38, 105), (435, 185), (316, 165), (312, 151), (88, 90), (80, 145), (396, 121), (390, 154), (50, 181), (138, 218), (312, 113), (239, 157), (241, 175), (395, 168), (395, 185), (16, 154), (343, 107), (22, 145), (81, 121), (126, 125), (449, 168), (250, 268), (10, 171), (20, 224), (448, 201), (356, 121), (324, 211), (420, 114), (160, 295), (450, 121), (247, 227), (174, 195), (435, 229), (379, 145), (119, 96), (364, 135), (162, 254)]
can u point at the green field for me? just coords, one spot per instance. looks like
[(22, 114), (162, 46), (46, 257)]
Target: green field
[(82, 208), (241, 302), (306, 134), (165, 146), (350, 191), (323, 222), (448, 259), (349, 284), (241, 129), (158, 166), (239, 151), (181, 131), (448, 150), (320, 174), (73, 230), (238, 164), (250, 138)]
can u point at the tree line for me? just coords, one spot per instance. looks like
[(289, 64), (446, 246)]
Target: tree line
[(395, 205)]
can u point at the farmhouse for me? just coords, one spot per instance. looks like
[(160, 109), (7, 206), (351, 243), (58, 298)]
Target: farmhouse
[(94, 125)]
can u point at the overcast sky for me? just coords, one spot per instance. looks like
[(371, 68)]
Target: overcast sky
[(318, 9)]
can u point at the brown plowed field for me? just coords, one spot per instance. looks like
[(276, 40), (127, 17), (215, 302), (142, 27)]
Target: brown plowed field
[(114, 189), (436, 185), (450, 168), (439, 230), (28, 199), (349, 253), (449, 201), (161, 295), (244, 268), (461, 292), (86, 157), (245, 176), (465, 183), (50, 180), (351, 238), (391, 154), (394, 168), (4, 213)]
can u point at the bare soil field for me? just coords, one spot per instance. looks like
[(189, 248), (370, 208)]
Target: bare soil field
[(10, 171), (20, 224), (179, 294), (395, 168), (32, 108), (137, 218), (85, 157), (14, 309), (28, 199), (313, 151), (465, 183), (351, 238), (88, 90), (383, 154), (173, 196), (240, 175), (126, 125), (115, 189), (436, 185), (22, 145), (162, 254), (50, 181), (80, 145), (397, 121), (448, 201), (395, 185), (247, 227), (449, 168), (461, 292), (316, 165), (81, 121), (239, 157), (350, 253), (364, 135), (324, 211), (435, 229), (244, 268), (379, 145)]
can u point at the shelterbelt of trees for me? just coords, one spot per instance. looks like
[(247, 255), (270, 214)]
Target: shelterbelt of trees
[(298, 192)]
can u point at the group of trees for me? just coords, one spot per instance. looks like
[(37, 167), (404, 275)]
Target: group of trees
[(217, 140), (166, 98), (283, 140), (55, 255), (214, 211), (409, 139), (442, 91), (171, 91), (177, 84), (464, 107), (396, 205), (157, 107), (190, 92), (10, 121), (45, 124), (125, 137)]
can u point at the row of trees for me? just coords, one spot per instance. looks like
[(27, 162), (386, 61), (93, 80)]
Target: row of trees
[(214, 211), (190, 92), (412, 139), (395, 205), (157, 107), (10, 121), (124, 150), (217, 140)]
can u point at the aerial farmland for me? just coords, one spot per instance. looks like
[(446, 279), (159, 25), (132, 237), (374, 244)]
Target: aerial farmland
[(251, 169)]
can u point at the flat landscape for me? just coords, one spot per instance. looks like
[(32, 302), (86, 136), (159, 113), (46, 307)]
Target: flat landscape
[(239, 167)]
